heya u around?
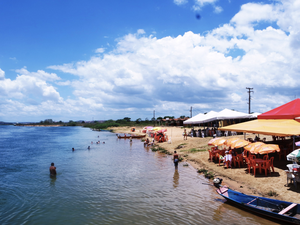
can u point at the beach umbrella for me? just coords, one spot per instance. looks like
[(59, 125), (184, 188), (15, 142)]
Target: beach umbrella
[(253, 146), (218, 141), (240, 144), (162, 131), (156, 128), (211, 141), (294, 156), (231, 141), (267, 148)]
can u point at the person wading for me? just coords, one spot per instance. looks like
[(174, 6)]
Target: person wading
[(175, 159)]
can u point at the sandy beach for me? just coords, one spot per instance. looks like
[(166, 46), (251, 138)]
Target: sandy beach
[(236, 178)]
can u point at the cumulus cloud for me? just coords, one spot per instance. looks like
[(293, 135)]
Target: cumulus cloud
[(180, 2), (2, 74), (258, 47), (199, 4)]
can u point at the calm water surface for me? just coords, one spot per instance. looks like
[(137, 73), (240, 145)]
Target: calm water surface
[(113, 183)]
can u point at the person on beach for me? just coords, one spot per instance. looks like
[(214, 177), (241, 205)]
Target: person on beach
[(89, 148), (52, 170), (146, 143), (184, 135), (227, 158), (176, 159), (130, 139)]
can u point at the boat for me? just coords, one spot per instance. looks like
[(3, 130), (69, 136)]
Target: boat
[(132, 136), (287, 212)]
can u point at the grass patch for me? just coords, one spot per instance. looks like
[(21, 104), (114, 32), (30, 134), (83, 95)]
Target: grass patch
[(207, 174), (185, 164), (181, 146), (194, 150), (272, 193)]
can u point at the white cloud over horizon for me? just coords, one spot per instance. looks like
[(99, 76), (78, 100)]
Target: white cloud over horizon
[(258, 47)]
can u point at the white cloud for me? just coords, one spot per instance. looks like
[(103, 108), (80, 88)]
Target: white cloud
[(99, 50), (40, 74), (180, 2), (2, 74), (258, 48), (199, 4)]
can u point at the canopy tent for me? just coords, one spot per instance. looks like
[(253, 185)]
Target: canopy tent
[(290, 110), (194, 119), (277, 127), (225, 114), (200, 117)]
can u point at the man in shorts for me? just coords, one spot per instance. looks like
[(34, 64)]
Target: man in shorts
[(175, 159)]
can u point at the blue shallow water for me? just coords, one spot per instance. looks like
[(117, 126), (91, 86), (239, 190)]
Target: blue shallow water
[(113, 183)]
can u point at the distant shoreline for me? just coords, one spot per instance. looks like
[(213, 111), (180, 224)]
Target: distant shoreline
[(38, 125)]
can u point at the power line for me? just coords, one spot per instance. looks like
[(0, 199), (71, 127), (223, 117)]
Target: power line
[(249, 100)]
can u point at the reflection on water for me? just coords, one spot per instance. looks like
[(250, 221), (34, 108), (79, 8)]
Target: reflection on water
[(113, 183), (176, 178)]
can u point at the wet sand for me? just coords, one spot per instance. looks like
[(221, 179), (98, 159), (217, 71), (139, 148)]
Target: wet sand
[(236, 178)]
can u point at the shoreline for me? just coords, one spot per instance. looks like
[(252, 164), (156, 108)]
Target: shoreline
[(236, 178)]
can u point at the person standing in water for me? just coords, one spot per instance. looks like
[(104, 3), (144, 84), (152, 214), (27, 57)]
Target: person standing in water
[(175, 159), (52, 170)]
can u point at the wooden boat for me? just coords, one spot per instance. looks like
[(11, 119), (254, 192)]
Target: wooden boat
[(282, 211), (132, 136)]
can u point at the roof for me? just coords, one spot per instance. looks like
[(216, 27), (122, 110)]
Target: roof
[(290, 110), (277, 127), (225, 114)]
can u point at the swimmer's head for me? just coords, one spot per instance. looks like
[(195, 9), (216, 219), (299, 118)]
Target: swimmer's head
[(52, 164)]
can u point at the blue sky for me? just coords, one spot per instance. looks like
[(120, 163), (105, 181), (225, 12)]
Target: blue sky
[(71, 60)]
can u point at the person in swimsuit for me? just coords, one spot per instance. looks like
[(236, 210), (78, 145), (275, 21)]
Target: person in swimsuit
[(175, 159), (52, 170), (184, 135)]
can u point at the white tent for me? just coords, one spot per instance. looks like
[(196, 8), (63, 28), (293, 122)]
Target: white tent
[(225, 114), (194, 119), (200, 117)]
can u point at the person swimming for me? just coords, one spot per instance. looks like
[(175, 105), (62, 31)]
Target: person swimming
[(52, 170)]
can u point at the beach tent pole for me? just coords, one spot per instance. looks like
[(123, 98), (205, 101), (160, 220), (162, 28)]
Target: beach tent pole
[(293, 143)]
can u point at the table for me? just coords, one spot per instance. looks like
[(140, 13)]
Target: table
[(260, 162)]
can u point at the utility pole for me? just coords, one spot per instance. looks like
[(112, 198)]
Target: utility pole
[(191, 111), (249, 100), (154, 117)]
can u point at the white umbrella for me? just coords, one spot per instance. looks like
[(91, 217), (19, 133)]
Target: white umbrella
[(294, 156)]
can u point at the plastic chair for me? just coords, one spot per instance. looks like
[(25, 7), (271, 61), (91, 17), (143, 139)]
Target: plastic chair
[(266, 157), (248, 162), (246, 153), (220, 158), (271, 163), (290, 177), (254, 166), (266, 167), (252, 157), (238, 159), (212, 155)]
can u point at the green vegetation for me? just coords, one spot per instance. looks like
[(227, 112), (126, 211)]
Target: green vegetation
[(208, 175), (194, 150), (272, 193)]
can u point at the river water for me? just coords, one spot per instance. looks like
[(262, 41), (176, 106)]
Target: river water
[(116, 182)]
